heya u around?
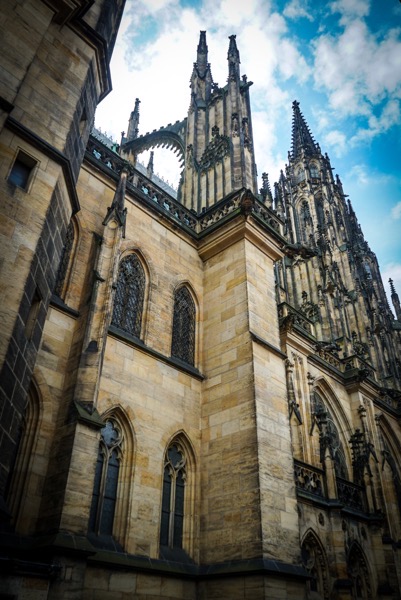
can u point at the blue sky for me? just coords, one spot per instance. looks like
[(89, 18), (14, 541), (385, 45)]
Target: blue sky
[(341, 59)]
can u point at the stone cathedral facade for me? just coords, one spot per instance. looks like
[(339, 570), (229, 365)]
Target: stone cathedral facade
[(200, 390)]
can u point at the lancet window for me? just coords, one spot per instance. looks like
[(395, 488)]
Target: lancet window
[(184, 324), (299, 175), (18, 495), (65, 262), (174, 480), (314, 171), (129, 296), (329, 437), (315, 563), (104, 495), (359, 574)]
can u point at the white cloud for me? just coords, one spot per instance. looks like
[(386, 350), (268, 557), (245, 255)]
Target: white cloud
[(336, 140), (357, 69), (297, 9), (364, 175), (396, 211), (351, 8)]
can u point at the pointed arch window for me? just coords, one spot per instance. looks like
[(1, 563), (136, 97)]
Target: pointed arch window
[(359, 574), (104, 495), (129, 296), (299, 175), (329, 437), (184, 317), (315, 562), (174, 479), (65, 262), (314, 171), (18, 494)]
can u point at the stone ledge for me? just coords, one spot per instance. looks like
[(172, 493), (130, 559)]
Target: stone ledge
[(170, 360)]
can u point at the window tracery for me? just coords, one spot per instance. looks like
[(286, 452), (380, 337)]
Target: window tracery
[(359, 574), (129, 296), (329, 437), (104, 495), (174, 480), (315, 563), (183, 338)]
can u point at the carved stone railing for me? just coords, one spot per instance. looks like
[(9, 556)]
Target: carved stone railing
[(309, 479), (267, 216), (173, 207), (219, 211), (355, 362), (329, 357), (289, 316), (105, 155), (350, 494)]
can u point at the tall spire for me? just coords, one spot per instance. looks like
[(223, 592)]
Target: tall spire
[(233, 59), (133, 123), (201, 58), (302, 138), (395, 300)]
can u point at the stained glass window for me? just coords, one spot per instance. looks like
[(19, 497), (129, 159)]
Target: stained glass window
[(65, 260), (172, 517), (129, 297), (183, 339), (106, 480)]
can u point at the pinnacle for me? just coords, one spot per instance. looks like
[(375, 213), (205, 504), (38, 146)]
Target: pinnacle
[(302, 139)]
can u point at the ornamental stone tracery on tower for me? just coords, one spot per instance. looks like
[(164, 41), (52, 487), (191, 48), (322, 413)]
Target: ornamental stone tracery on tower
[(200, 389)]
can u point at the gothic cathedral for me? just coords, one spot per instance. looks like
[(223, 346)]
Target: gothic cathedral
[(201, 389)]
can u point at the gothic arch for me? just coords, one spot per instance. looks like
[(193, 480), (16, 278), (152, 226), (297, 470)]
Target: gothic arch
[(391, 469), (171, 137), (126, 451), (185, 324), (339, 425), (360, 573), (131, 296), (29, 471), (181, 442), (315, 561)]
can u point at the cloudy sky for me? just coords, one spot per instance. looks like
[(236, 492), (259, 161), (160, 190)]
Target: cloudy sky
[(341, 59)]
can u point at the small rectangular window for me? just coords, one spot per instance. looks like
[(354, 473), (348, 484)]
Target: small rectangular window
[(22, 170)]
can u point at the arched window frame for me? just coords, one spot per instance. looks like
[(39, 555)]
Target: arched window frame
[(184, 333), (314, 171), (299, 174), (315, 561), (17, 495), (359, 573), (133, 325), (181, 442), (126, 455), (339, 452), (104, 495)]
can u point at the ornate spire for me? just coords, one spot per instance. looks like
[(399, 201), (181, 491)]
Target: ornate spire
[(233, 59), (302, 138), (395, 300), (201, 59), (150, 167), (266, 191), (133, 123)]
